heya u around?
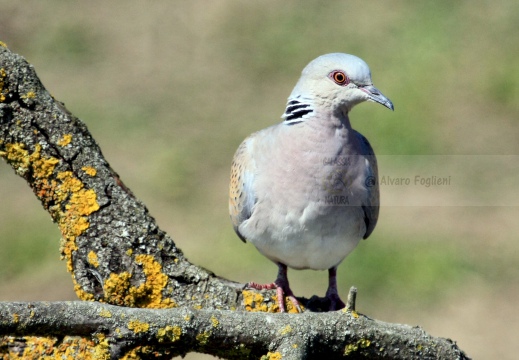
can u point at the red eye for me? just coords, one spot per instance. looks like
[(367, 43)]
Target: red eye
[(339, 77)]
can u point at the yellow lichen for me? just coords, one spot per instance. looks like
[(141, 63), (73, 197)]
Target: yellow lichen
[(272, 356), (150, 293), (3, 92), (69, 184), (16, 318), (82, 294), (83, 202), (202, 338), (364, 343), (65, 140), (89, 170), (214, 321), (139, 353), (105, 313), (353, 313), (119, 290), (351, 348), (129, 252), (73, 220), (92, 259), (116, 289), (51, 348), (138, 326), (42, 167), (3, 44), (17, 156), (102, 348), (286, 330), (30, 95), (133, 354), (169, 333), (255, 302)]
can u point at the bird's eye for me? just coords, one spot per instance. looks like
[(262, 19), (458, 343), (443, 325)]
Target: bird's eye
[(339, 77)]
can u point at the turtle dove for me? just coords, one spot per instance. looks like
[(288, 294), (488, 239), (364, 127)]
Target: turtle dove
[(305, 191)]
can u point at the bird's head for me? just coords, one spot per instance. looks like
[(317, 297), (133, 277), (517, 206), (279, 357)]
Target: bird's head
[(338, 80)]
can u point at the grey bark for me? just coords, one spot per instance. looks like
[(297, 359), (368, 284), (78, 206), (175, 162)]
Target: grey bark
[(118, 255), (230, 334)]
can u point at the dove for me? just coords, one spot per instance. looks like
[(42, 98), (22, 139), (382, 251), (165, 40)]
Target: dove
[(305, 191)]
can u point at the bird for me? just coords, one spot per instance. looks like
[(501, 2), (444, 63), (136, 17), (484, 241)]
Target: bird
[(305, 191)]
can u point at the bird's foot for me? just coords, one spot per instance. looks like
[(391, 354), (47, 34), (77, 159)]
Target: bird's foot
[(282, 291), (335, 302)]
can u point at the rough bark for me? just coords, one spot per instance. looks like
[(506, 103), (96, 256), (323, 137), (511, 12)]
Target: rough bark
[(117, 255), (230, 334)]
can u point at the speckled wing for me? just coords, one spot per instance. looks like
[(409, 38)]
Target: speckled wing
[(372, 205), (241, 194)]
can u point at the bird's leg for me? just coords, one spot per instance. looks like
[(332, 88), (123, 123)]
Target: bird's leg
[(282, 289), (332, 294)]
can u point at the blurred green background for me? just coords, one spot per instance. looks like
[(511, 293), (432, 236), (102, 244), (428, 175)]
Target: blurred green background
[(170, 88)]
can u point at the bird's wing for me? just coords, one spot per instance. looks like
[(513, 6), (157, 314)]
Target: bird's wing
[(241, 193), (372, 204)]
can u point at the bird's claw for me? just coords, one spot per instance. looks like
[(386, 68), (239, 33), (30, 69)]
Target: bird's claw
[(282, 291)]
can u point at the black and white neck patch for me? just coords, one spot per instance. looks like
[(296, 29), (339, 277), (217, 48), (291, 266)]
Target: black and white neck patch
[(297, 112)]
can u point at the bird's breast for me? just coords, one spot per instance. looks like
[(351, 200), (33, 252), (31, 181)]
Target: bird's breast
[(309, 191)]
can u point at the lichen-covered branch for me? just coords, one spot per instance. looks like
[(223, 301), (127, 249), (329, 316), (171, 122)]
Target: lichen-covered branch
[(113, 247), (117, 255), (119, 332)]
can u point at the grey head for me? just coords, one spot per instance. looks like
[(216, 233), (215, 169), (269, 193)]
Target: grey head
[(333, 81)]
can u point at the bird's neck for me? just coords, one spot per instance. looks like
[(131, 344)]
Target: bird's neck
[(327, 130), (323, 117), (336, 119), (334, 111), (340, 120)]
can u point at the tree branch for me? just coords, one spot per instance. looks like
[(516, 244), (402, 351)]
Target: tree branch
[(118, 255), (231, 334), (111, 244)]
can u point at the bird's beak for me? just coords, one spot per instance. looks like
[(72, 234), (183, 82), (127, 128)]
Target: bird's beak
[(376, 96)]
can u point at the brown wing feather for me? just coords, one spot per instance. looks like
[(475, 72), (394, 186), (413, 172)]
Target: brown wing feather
[(241, 196)]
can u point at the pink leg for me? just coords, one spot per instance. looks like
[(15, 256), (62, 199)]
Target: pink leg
[(282, 289), (332, 293)]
